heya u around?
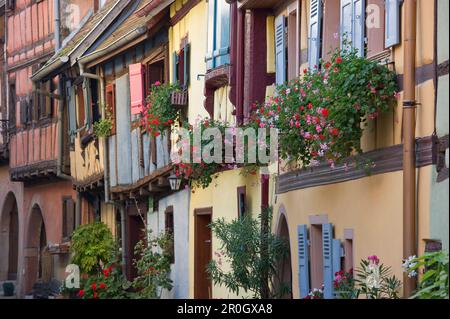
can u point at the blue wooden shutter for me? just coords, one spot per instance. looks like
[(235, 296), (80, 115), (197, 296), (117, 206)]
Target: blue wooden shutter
[(315, 22), (222, 47), (187, 62), (175, 67), (87, 102), (327, 246), (303, 258), (280, 54), (337, 254), (359, 24), (346, 22), (392, 23), (212, 27)]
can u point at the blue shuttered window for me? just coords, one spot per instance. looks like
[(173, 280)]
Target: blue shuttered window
[(353, 16), (392, 20), (303, 260), (337, 255), (328, 275), (72, 114), (218, 34), (280, 49), (315, 32)]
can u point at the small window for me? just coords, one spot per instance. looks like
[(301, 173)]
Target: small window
[(242, 202), (316, 259), (68, 208), (218, 34), (170, 230), (348, 249)]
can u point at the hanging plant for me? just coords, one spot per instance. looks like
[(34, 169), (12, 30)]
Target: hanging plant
[(159, 113), (201, 173), (103, 127), (321, 116)]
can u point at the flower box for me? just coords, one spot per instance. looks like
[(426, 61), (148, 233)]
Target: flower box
[(179, 98)]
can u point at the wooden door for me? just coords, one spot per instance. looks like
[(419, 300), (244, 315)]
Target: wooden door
[(203, 254), (13, 243)]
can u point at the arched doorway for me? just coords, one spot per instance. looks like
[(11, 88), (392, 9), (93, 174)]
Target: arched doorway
[(9, 240), (285, 268), (38, 261)]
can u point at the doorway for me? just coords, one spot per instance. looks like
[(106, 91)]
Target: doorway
[(203, 253), (284, 266), (9, 239)]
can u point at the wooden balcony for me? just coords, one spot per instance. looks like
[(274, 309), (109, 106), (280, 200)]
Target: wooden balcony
[(34, 152)]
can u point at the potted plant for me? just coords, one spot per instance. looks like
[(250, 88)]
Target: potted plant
[(8, 289)]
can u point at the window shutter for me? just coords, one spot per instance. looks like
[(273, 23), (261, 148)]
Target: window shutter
[(212, 27), (346, 21), (111, 105), (137, 88), (327, 246), (337, 254), (153, 151), (70, 219), (23, 112), (315, 18), (187, 62), (392, 20), (359, 23), (303, 260), (87, 101), (72, 114), (222, 47), (175, 68), (280, 44)]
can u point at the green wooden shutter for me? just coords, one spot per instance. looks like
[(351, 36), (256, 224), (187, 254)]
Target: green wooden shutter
[(327, 251), (187, 62), (303, 259), (392, 27), (175, 67)]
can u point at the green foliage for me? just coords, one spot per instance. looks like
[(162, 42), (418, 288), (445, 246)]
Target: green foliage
[(374, 280), (109, 283), (344, 285), (92, 244), (153, 266), (160, 114), (321, 116), (102, 128), (434, 283), (241, 246)]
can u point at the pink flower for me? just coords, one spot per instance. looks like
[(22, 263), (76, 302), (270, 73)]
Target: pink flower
[(157, 83), (318, 128)]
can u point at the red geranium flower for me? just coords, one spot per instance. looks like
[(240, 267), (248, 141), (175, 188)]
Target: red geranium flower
[(338, 60), (94, 286), (325, 112), (335, 132), (102, 285), (95, 295), (310, 106), (80, 293)]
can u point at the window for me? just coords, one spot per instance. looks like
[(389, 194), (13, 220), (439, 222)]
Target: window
[(348, 250), (170, 230), (111, 105), (242, 202), (181, 62), (218, 34), (316, 261), (42, 102), (353, 19), (68, 209)]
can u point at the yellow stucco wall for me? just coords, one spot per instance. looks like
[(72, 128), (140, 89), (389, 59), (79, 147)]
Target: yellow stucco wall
[(193, 25), (371, 206), (222, 196)]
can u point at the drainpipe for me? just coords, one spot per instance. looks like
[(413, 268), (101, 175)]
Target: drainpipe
[(59, 160), (409, 149)]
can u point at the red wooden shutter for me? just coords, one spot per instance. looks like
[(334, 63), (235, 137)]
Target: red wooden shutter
[(111, 105), (137, 88)]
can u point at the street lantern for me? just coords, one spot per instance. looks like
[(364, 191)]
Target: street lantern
[(175, 182)]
